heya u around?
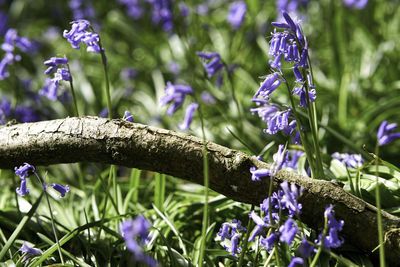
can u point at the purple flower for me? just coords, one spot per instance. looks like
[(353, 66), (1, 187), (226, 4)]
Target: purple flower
[(133, 9), (211, 62), (296, 260), (128, 116), (103, 113), (61, 189), (30, 251), (290, 197), (188, 116), (350, 160), (162, 13), (12, 40), (234, 226), (237, 11), (269, 85), (276, 118), (305, 249), (288, 231), (8, 59), (269, 242), (5, 110), (174, 67), (53, 63), (175, 94), (385, 134), (24, 171), (23, 190), (49, 90), (303, 96), (133, 229), (3, 23), (79, 34), (359, 4), (332, 239), (183, 9), (290, 5), (256, 174)]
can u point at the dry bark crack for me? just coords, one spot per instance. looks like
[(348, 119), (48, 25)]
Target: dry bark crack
[(92, 139)]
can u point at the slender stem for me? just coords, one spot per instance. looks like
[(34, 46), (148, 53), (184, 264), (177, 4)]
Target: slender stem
[(378, 213), (73, 91), (51, 216), (246, 240), (240, 121), (206, 182), (322, 242), (110, 174)]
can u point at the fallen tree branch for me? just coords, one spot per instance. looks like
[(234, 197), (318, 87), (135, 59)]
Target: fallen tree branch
[(92, 139)]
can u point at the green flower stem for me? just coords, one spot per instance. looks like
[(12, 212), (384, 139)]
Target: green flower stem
[(73, 92), (108, 94), (52, 218), (246, 240), (378, 213), (206, 182), (240, 121), (322, 242)]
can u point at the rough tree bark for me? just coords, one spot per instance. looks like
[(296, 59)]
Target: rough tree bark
[(92, 139)]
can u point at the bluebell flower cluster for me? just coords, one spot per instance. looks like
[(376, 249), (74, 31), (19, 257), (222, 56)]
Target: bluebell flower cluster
[(29, 251), (292, 161), (133, 9), (50, 89), (279, 157), (231, 231), (135, 234), (162, 13), (213, 65), (23, 172), (82, 9), (237, 11), (359, 4), (79, 34), (385, 133), (11, 42), (332, 240), (350, 160)]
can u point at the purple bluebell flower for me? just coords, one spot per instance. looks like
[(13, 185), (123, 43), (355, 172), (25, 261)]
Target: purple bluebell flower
[(296, 260), (385, 133), (259, 229), (79, 34), (133, 9), (26, 114), (288, 231), (61, 189), (206, 97), (174, 67), (211, 62), (270, 83), (24, 171), (269, 241), (82, 9), (8, 59), (162, 13), (229, 228), (359, 4), (49, 90), (30, 251), (175, 94), (188, 116), (53, 63), (22, 190), (237, 11), (350, 160), (305, 249), (300, 91), (276, 118), (103, 113), (290, 197), (332, 239), (128, 116), (294, 156), (256, 174), (5, 110), (132, 230), (12, 40)]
